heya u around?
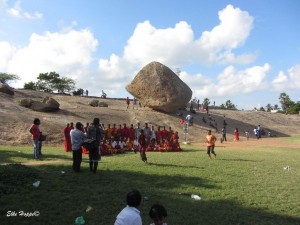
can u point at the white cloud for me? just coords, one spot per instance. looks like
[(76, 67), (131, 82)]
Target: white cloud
[(69, 53), (230, 82), (177, 46), (66, 53), (7, 51), (290, 80), (18, 12)]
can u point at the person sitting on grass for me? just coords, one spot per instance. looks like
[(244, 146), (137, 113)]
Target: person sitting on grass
[(176, 146), (135, 145), (129, 144), (109, 147), (158, 213), (163, 146), (104, 148), (169, 146), (116, 146), (123, 146)]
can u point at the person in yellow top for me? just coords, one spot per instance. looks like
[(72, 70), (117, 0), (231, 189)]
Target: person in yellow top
[(210, 140)]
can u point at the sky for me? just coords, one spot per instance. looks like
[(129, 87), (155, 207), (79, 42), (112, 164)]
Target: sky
[(246, 51)]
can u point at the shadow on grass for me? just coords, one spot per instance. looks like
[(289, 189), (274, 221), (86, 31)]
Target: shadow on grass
[(240, 160), (62, 198), (9, 156), (175, 165)]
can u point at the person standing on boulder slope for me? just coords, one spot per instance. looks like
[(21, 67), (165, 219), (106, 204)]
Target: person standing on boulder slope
[(127, 102)]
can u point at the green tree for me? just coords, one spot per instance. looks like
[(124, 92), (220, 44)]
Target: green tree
[(6, 77), (50, 82), (229, 105), (222, 106), (269, 107), (64, 85), (294, 108), (262, 109), (276, 106), (206, 102), (285, 101), (30, 85)]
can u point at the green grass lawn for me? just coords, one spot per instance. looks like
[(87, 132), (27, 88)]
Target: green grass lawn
[(242, 186)]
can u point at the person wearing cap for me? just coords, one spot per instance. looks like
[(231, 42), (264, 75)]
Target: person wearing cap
[(77, 137)]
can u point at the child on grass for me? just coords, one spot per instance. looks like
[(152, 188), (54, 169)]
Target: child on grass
[(158, 213)]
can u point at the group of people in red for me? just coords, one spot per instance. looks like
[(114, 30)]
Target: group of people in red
[(118, 139)]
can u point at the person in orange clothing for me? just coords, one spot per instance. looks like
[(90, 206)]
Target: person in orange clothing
[(210, 141), (162, 146), (129, 144), (109, 146), (67, 138), (108, 132)]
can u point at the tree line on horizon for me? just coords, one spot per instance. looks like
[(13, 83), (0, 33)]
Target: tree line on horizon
[(52, 82)]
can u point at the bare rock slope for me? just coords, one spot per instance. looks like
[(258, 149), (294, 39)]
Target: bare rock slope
[(16, 120)]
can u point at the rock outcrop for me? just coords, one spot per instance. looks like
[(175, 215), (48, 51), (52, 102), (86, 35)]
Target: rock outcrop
[(158, 87), (5, 88), (48, 104)]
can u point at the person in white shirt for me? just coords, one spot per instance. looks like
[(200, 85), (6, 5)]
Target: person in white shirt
[(130, 215)]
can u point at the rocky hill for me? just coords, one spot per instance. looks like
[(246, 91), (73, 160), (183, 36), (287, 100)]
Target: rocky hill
[(16, 120)]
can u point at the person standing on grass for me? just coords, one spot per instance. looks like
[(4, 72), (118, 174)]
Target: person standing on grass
[(236, 135), (36, 134), (210, 141), (67, 138), (223, 134), (95, 132), (142, 146), (130, 215), (77, 137)]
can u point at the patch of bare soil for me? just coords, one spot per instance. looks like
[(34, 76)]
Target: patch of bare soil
[(16, 120)]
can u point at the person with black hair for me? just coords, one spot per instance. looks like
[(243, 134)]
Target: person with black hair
[(95, 132), (36, 134), (158, 213), (130, 215), (77, 137)]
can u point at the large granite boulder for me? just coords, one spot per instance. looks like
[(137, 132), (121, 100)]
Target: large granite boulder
[(26, 102), (5, 88), (48, 104), (158, 87), (94, 103)]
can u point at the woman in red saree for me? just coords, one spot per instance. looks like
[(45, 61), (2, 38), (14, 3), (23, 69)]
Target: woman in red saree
[(236, 135), (67, 138)]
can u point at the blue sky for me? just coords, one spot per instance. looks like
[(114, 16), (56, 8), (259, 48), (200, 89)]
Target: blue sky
[(247, 51)]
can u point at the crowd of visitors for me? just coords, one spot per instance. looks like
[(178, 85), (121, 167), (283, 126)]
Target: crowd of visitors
[(119, 139)]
